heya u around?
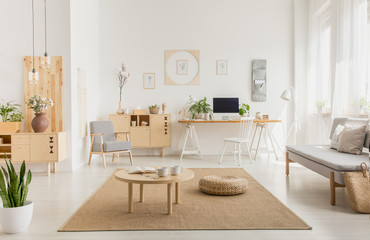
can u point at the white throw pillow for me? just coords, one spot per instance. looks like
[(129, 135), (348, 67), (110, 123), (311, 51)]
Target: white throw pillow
[(336, 136)]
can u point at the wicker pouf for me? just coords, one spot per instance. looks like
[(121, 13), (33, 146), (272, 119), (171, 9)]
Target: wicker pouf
[(225, 185)]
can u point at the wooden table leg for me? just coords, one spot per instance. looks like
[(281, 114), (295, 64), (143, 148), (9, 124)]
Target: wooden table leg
[(54, 167), (130, 198), (169, 198), (162, 153), (177, 186), (141, 192), (48, 169)]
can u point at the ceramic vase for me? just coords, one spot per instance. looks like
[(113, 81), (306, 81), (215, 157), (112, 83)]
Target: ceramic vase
[(40, 123), (120, 109), (16, 220)]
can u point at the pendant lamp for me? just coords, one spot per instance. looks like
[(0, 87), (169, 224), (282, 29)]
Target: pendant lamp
[(46, 59), (33, 76)]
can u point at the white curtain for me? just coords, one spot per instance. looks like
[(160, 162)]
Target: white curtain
[(350, 80), (337, 64)]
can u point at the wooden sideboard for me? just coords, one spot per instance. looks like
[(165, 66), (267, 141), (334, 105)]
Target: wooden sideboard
[(156, 134), (48, 147)]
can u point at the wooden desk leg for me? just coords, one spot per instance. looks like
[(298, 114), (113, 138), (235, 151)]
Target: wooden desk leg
[(177, 186), (130, 198), (162, 153), (48, 169), (169, 198), (141, 192), (54, 167)]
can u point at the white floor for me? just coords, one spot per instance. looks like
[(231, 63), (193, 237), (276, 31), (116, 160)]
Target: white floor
[(305, 192)]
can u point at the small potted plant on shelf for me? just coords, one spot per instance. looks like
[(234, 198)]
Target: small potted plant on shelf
[(39, 104), (16, 211), (154, 109), (11, 117), (201, 109), (320, 104), (244, 110)]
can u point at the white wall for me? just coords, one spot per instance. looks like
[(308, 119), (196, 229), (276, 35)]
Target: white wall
[(16, 42), (138, 32), (84, 55)]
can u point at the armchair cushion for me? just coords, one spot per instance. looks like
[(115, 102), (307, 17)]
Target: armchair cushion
[(113, 146)]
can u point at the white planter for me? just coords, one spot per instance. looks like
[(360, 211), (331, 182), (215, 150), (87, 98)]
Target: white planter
[(16, 220)]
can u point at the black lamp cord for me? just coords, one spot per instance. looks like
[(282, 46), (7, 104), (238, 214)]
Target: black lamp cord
[(46, 43), (33, 39)]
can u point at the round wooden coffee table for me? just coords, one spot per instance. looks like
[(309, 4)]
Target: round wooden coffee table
[(150, 178)]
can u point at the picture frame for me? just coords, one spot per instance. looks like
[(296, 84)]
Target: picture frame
[(222, 67), (193, 67), (149, 80), (182, 67)]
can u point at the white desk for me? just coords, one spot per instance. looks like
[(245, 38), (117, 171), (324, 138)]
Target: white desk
[(190, 130)]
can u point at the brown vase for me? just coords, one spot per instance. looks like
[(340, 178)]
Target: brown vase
[(40, 123)]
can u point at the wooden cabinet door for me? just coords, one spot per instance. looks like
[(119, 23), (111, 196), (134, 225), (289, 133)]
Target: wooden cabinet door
[(43, 148), (121, 123), (139, 136), (20, 152), (160, 130)]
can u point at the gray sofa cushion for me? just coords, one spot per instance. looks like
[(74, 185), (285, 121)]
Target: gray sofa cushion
[(105, 127), (322, 154)]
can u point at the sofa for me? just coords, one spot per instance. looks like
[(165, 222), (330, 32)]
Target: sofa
[(329, 162)]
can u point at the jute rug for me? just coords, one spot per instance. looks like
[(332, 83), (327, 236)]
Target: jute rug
[(106, 209)]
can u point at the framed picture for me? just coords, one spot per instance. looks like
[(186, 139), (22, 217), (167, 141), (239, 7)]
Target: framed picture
[(221, 67), (149, 80), (182, 67)]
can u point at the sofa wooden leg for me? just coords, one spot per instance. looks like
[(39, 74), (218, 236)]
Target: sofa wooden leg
[(287, 163), (332, 189)]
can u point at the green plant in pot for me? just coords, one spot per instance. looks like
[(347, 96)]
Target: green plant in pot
[(16, 211), (201, 109), (320, 104), (154, 109), (11, 117), (244, 109)]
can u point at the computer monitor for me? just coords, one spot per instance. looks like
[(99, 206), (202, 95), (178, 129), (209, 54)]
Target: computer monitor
[(225, 105)]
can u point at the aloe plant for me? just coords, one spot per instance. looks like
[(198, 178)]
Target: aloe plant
[(13, 187)]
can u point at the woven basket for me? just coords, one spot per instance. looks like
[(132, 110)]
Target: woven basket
[(225, 185), (358, 191)]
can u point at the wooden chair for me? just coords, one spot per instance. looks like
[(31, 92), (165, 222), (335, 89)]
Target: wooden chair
[(104, 140), (245, 129)]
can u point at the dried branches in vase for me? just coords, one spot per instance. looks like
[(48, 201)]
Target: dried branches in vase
[(122, 80)]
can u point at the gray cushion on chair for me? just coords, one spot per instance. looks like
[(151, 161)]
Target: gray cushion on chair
[(113, 146), (354, 123), (110, 144)]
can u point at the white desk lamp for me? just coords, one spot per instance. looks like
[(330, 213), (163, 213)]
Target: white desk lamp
[(190, 102), (288, 95)]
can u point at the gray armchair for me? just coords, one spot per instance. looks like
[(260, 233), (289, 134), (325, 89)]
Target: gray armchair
[(103, 140)]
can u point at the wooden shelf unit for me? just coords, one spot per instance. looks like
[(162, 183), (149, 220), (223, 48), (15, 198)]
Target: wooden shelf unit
[(49, 147), (156, 134)]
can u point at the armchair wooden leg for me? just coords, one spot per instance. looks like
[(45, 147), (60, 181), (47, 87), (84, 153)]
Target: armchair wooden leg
[(287, 163), (102, 155), (90, 158), (332, 189), (113, 157), (130, 154)]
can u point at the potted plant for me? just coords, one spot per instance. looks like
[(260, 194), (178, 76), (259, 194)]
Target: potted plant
[(154, 109), (201, 109), (244, 109), (320, 104), (11, 117), (39, 104), (16, 211)]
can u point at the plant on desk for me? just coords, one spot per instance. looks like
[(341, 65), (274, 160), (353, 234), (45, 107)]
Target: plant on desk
[(16, 212), (201, 109), (244, 109), (11, 117)]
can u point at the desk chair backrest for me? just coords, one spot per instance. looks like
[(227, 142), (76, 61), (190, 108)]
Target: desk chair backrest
[(105, 127), (245, 127)]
